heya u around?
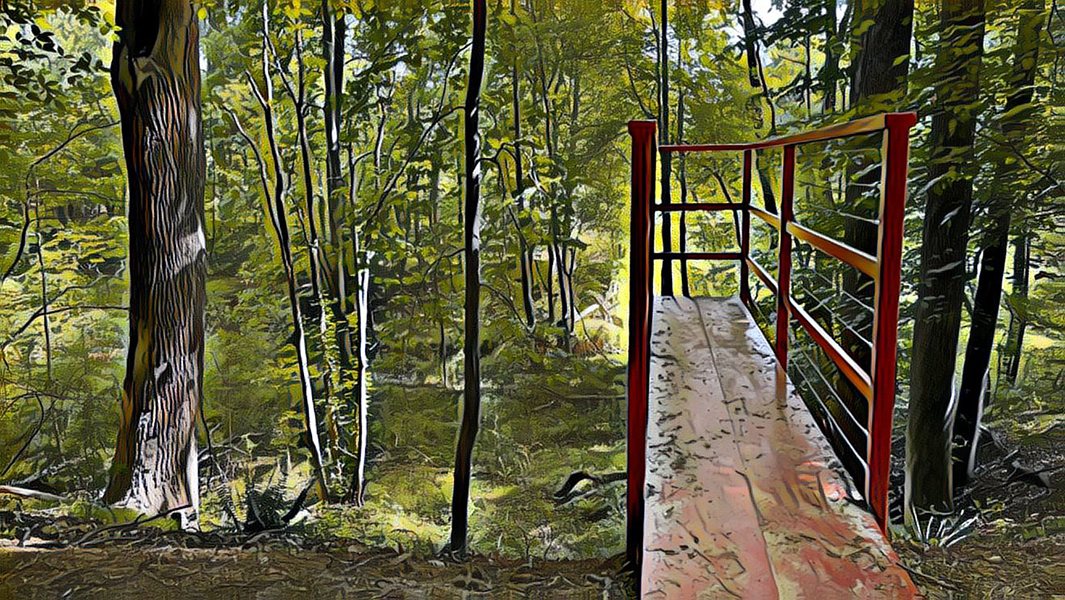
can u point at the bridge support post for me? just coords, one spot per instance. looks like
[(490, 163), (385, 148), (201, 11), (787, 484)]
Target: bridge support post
[(641, 274), (787, 215), (895, 164)]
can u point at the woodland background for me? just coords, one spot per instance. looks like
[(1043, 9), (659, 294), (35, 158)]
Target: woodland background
[(380, 206)]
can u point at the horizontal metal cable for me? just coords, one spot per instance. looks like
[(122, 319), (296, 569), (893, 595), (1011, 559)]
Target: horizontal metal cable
[(830, 418), (846, 409)]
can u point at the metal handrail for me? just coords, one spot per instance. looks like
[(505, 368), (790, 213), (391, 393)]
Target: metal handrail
[(877, 384)]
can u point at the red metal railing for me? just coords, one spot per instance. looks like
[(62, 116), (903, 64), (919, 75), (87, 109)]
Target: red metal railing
[(876, 385)]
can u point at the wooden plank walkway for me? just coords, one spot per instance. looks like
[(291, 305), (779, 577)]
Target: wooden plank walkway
[(745, 498)]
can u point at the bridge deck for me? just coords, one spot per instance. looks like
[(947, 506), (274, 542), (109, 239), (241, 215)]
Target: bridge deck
[(745, 498)]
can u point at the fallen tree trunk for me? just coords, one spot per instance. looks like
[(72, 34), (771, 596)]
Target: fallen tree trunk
[(28, 493), (565, 492)]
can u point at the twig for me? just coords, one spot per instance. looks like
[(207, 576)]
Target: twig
[(138, 521), (28, 493), (928, 577)]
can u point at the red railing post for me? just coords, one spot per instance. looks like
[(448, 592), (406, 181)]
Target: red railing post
[(787, 215), (745, 230), (895, 157), (644, 153)]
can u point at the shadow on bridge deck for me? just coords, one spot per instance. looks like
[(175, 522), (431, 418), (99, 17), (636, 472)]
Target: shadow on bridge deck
[(745, 497)]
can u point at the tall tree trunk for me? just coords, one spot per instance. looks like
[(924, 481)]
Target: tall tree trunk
[(155, 74), (46, 322), (685, 287), (941, 287), (555, 262), (880, 69), (361, 397), (334, 32), (977, 367), (333, 35), (568, 250), (525, 255), (471, 397), (434, 202), (757, 79), (750, 44), (829, 72), (1015, 342), (318, 266), (279, 221), (360, 442), (665, 158), (551, 285)]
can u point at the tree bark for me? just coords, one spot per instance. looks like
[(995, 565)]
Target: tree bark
[(155, 74), (685, 287), (977, 366), (665, 158), (1015, 342), (881, 68), (471, 398), (941, 287), (830, 71), (525, 256), (279, 222)]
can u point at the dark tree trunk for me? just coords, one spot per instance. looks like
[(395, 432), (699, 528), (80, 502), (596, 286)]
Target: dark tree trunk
[(471, 398), (665, 158), (569, 248), (757, 79), (830, 71), (155, 74), (941, 287), (685, 287), (881, 68), (555, 263), (977, 366), (279, 221), (525, 256), (878, 68), (333, 34), (1015, 341)]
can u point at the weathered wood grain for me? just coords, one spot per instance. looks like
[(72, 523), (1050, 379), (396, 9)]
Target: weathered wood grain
[(701, 533), (745, 497)]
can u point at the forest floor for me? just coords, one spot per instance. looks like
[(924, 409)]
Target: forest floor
[(526, 543), (183, 566), (1007, 538), (1005, 542)]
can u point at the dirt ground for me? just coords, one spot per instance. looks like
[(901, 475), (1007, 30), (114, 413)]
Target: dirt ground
[(268, 573), (1007, 539), (72, 561)]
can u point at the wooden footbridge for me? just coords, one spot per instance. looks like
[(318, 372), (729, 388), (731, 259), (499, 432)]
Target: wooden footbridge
[(736, 484)]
